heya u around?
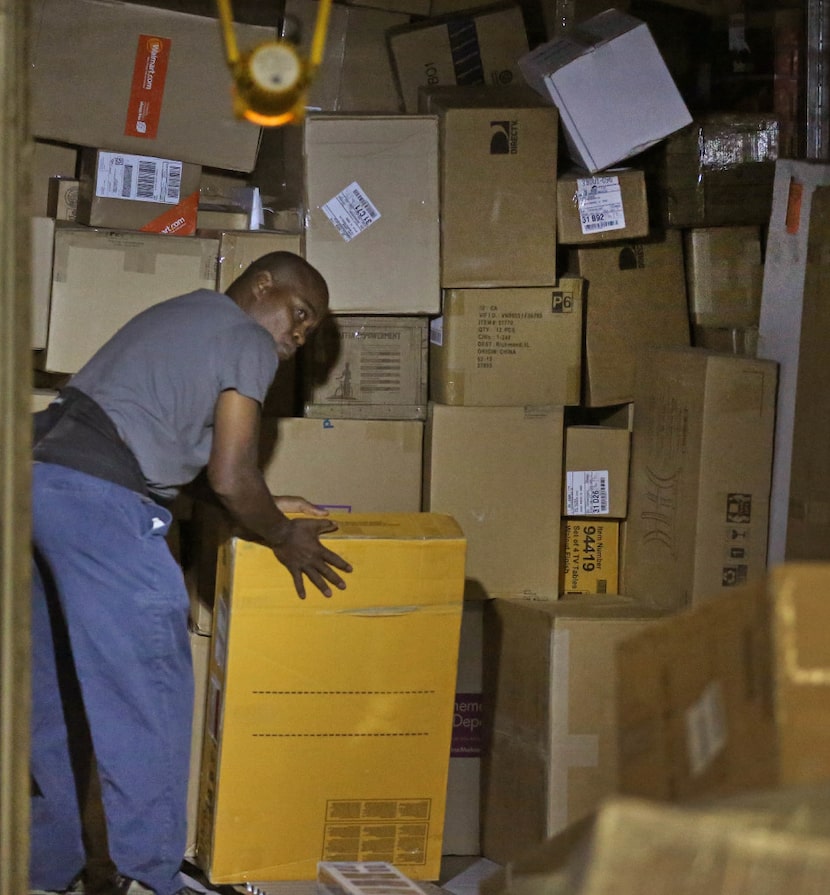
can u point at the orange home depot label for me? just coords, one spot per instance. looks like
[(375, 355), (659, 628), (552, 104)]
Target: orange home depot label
[(794, 199), (180, 220), (147, 90)]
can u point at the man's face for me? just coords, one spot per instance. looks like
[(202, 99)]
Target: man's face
[(290, 315)]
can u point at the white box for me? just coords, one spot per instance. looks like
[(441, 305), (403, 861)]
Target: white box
[(781, 338), (615, 95)]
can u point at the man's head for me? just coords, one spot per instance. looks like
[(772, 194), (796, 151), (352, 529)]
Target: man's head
[(284, 294)]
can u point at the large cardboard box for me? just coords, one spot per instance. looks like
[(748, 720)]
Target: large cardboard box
[(102, 278), (793, 331), (346, 466), (550, 695), (349, 465), (342, 744), (732, 695), (701, 465), (800, 596), (601, 207), (238, 248), (462, 824), (367, 368), (597, 75), (498, 152), (724, 274), (518, 346), (159, 84), (137, 192), (596, 471), (717, 172), (498, 471), (771, 841), (355, 74), (372, 226), (476, 46), (695, 706), (635, 298)]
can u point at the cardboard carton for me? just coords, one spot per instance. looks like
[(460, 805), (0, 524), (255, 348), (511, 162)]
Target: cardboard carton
[(372, 225), (239, 248), (701, 465), (550, 696), (518, 346), (498, 471), (793, 332), (350, 465), (716, 172), (596, 471), (476, 46), (730, 696), (724, 275), (615, 95), (102, 278), (367, 368), (601, 207), (346, 466), (137, 192), (159, 84), (331, 720), (728, 339), (635, 298), (498, 153)]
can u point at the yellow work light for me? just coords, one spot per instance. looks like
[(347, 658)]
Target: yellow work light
[(271, 80)]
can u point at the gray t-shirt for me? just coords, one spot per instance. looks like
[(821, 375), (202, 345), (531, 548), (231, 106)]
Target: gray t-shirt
[(158, 379)]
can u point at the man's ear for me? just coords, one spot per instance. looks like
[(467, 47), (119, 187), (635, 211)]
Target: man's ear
[(262, 283)]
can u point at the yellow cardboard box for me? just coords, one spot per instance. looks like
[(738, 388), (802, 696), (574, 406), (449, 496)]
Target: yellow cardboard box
[(590, 556), (329, 721)]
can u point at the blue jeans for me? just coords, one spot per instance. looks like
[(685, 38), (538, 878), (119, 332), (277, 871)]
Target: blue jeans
[(108, 599)]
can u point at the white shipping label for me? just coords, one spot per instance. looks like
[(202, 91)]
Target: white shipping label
[(138, 177), (351, 211), (599, 202), (587, 493), (436, 331), (706, 728)]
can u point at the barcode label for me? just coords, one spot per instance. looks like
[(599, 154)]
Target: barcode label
[(138, 177), (599, 202), (351, 211), (587, 493)]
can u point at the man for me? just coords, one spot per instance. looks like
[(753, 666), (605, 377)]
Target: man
[(177, 390)]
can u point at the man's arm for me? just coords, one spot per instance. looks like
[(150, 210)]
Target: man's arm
[(234, 475)]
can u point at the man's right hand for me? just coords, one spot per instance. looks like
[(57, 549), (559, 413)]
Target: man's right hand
[(302, 554)]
